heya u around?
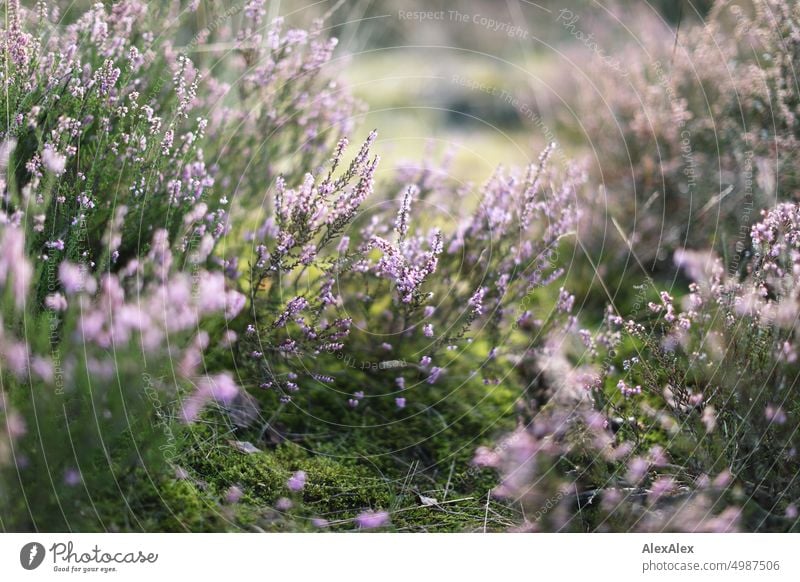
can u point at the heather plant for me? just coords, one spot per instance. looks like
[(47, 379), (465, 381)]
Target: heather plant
[(92, 381), (336, 278), (567, 471), (109, 220), (288, 111), (102, 147), (686, 421), (108, 127), (699, 135)]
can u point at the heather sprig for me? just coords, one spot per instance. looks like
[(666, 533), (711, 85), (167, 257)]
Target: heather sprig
[(291, 108)]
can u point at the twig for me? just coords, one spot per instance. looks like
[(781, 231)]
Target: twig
[(486, 515)]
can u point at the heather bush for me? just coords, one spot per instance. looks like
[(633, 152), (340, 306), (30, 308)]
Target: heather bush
[(686, 423), (424, 290), (91, 379), (698, 132), (101, 144), (109, 219)]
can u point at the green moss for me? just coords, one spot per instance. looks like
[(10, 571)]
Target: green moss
[(260, 475), (176, 506), (335, 487)]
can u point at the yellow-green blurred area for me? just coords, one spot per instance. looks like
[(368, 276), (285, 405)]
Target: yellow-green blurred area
[(491, 81)]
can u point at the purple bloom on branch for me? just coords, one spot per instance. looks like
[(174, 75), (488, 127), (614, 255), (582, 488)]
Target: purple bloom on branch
[(434, 375), (297, 481), (372, 519)]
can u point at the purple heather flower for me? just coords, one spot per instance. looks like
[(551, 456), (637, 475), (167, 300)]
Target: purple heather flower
[(220, 388), (401, 224), (309, 254), (229, 338), (400, 402), (15, 424), (486, 457), (566, 301), (53, 161), (709, 418), (425, 361), (372, 519), (14, 262), (627, 390), (283, 504), (56, 302), (476, 301), (72, 477), (637, 469), (427, 330), (320, 522), (75, 279), (106, 77), (233, 494), (658, 456), (661, 487), (294, 307), (775, 414), (297, 481), (722, 480), (434, 375)]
